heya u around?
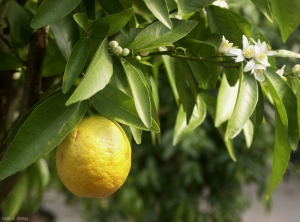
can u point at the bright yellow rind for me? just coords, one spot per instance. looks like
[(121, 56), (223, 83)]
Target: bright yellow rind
[(94, 160)]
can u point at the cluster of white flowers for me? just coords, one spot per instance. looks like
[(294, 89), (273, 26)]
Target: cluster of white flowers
[(255, 54)]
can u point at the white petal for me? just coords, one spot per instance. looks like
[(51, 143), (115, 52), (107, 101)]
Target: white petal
[(271, 53), (259, 77), (239, 58), (250, 65), (245, 43)]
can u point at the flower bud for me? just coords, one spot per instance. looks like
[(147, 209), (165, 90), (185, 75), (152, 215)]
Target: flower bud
[(113, 44), (16, 75), (203, 13), (125, 52), (296, 69), (138, 57), (144, 53), (117, 50)]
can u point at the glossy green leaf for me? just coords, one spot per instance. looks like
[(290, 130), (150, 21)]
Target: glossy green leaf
[(49, 123), (189, 6), (111, 24), (245, 105), (264, 7), (96, 77), (226, 100), (258, 114), (170, 70), (286, 103), (287, 53), (281, 155), (222, 22), (298, 98), (82, 20), (51, 11), (13, 203), (181, 127), (54, 62), (139, 91), (232, 75), (116, 105), (66, 34), (160, 10), (75, 63), (8, 61), (287, 16), (157, 34), (22, 120), (248, 133), (137, 135), (19, 19)]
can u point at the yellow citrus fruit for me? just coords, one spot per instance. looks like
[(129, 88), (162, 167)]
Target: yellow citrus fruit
[(95, 158)]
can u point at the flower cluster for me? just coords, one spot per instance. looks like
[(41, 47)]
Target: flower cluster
[(255, 54)]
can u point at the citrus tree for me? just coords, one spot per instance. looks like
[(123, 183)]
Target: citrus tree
[(63, 60)]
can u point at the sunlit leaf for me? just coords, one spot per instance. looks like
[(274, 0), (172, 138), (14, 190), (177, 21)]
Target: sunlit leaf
[(157, 34), (287, 16), (182, 128), (116, 105), (248, 132), (160, 10), (82, 20), (281, 155), (75, 63), (245, 105), (51, 11), (96, 77), (189, 6), (140, 92), (264, 7)]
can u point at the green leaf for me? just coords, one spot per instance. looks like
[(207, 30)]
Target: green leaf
[(245, 105), (82, 20), (96, 77), (248, 132), (22, 120), (206, 78), (157, 34), (264, 7), (54, 62), (226, 101), (8, 61), (169, 63), (116, 105), (189, 6), (281, 155), (111, 6), (75, 63), (258, 114), (287, 53), (13, 203), (287, 16), (90, 8), (137, 134), (222, 22), (181, 127), (286, 103), (232, 75), (51, 11), (49, 123), (160, 10), (66, 34), (19, 19), (111, 24), (139, 91)]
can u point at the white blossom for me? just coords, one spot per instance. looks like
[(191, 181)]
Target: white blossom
[(258, 71), (281, 71), (227, 49)]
